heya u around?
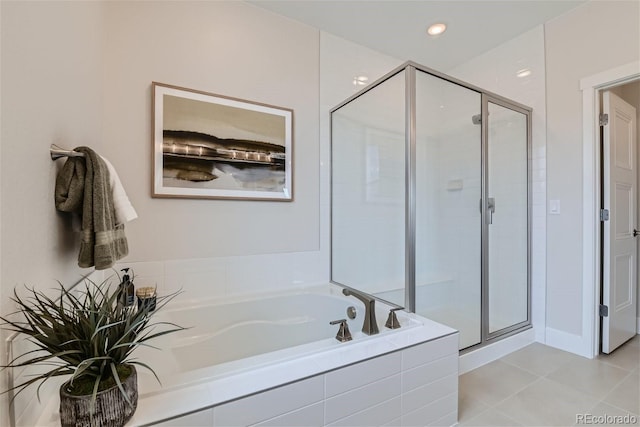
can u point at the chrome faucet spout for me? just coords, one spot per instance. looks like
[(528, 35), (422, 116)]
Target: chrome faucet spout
[(370, 324)]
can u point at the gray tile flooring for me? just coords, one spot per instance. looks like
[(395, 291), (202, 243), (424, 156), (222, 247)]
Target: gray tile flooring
[(544, 386)]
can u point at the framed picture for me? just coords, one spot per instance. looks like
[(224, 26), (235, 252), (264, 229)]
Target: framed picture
[(213, 146)]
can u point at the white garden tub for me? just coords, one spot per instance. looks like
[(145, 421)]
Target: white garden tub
[(239, 334), (241, 346)]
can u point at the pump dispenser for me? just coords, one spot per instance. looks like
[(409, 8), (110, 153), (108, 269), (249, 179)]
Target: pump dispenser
[(127, 290)]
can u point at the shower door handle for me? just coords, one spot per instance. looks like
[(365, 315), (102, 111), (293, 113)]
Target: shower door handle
[(491, 208)]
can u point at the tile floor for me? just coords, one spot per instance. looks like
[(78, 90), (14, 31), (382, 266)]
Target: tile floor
[(544, 386)]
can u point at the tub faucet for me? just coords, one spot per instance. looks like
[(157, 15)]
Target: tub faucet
[(370, 325)]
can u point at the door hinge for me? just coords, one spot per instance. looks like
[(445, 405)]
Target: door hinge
[(604, 119), (604, 310), (604, 214)]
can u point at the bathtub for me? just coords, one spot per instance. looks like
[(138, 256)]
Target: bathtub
[(257, 330), (241, 346)]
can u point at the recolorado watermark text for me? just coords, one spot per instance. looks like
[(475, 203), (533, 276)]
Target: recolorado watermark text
[(587, 419)]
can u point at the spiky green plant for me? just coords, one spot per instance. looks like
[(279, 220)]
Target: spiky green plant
[(89, 336)]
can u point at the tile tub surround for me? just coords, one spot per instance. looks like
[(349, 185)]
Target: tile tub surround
[(414, 386), (543, 386), (212, 394)]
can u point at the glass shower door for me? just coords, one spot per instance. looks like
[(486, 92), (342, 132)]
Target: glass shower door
[(506, 219), (448, 215), (368, 175)]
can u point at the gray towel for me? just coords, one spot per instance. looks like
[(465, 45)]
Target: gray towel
[(83, 186)]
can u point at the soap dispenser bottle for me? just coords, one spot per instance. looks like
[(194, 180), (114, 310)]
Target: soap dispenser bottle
[(127, 290)]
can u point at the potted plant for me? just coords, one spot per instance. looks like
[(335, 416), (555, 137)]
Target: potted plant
[(89, 335)]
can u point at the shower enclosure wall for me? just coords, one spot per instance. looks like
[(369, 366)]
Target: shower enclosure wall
[(430, 201)]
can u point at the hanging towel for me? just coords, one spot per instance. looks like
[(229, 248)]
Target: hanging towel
[(124, 210), (83, 186)]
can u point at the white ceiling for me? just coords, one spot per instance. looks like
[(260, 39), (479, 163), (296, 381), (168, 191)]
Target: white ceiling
[(398, 27)]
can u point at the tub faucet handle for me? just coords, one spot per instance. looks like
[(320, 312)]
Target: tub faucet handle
[(392, 320), (343, 334)]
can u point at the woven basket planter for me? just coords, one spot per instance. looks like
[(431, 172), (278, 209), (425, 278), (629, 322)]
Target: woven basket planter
[(111, 408)]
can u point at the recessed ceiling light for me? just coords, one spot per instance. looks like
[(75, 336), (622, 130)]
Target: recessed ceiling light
[(436, 29), (523, 73), (360, 80)]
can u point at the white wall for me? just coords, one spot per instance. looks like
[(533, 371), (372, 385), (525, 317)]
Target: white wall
[(592, 38), (228, 48), (52, 93), (496, 71), (214, 247), (80, 74), (52, 69)]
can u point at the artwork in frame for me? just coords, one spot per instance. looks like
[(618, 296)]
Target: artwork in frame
[(213, 146)]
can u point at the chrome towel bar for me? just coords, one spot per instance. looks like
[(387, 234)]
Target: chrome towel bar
[(58, 152)]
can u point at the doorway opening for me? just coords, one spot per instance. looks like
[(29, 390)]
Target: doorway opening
[(592, 87), (618, 142)]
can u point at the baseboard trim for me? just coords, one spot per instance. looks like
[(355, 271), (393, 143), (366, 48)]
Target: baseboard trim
[(476, 358), (576, 344)]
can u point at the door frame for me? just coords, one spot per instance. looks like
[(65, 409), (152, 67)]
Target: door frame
[(488, 336), (591, 185)]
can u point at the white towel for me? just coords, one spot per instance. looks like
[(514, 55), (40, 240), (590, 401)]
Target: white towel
[(123, 208)]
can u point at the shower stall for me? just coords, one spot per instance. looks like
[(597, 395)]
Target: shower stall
[(430, 201)]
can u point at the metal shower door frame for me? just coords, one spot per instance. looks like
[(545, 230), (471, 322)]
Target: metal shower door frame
[(410, 68), (487, 336)]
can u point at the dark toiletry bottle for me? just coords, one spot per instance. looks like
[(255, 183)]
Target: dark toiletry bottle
[(127, 291)]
